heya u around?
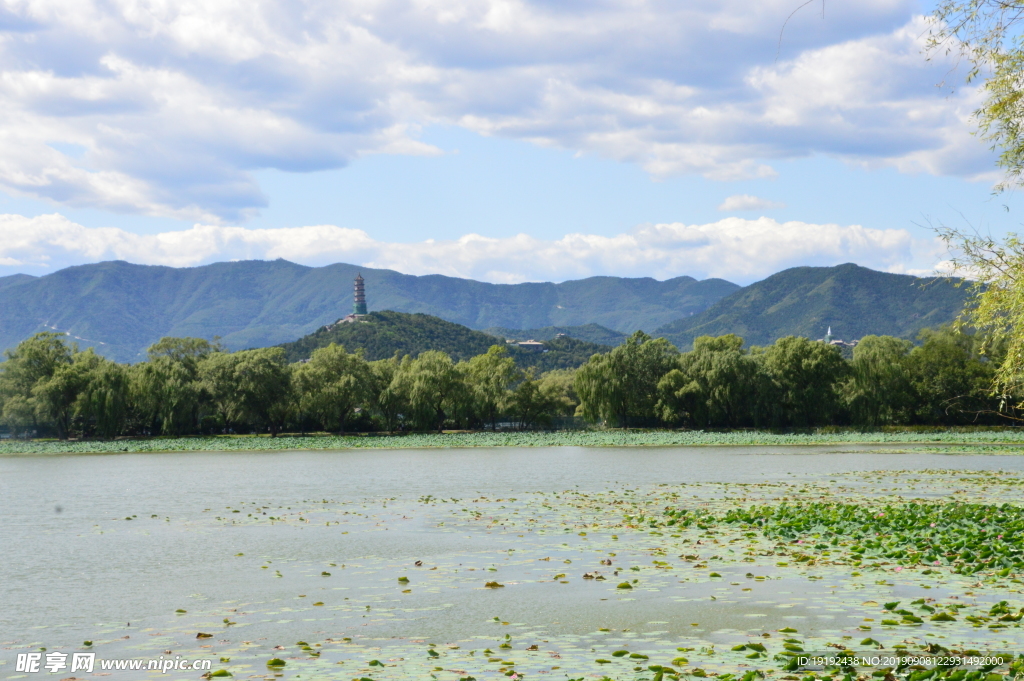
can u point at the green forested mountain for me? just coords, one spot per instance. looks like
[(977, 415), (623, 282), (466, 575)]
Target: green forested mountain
[(591, 333), (14, 279), (381, 334), (121, 308), (805, 301)]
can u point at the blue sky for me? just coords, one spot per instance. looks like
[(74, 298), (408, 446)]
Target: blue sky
[(499, 140)]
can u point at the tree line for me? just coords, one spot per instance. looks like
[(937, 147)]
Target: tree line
[(191, 386)]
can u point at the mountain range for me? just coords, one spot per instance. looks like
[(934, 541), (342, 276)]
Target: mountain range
[(805, 301), (121, 308)]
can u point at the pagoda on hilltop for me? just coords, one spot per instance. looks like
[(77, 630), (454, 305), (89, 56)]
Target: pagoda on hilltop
[(359, 296), (358, 303)]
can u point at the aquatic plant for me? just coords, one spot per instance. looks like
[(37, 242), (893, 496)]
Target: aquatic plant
[(969, 537), (987, 441)]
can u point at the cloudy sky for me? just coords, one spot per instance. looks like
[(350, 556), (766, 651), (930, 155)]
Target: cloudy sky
[(503, 140)]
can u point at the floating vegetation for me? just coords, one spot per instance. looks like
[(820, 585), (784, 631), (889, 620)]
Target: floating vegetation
[(968, 537), (990, 441)]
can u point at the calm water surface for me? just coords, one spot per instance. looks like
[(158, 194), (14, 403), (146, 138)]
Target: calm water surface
[(72, 568)]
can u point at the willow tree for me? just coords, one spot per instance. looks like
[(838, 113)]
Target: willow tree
[(714, 385), (168, 389), (994, 273), (262, 388), (987, 35), (332, 385), (32, 363), (386, 389), (952, 379), (103, 401), (434, 387), (805, 376), (621, 386), (57, 396), (490, 378), (880, 388)]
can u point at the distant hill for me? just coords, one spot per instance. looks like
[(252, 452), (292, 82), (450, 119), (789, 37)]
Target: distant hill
[(121, 308), (592, 333), (15, 279), (381, 334), (805, 301)]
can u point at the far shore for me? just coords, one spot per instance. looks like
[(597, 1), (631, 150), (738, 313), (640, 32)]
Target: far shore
[(978, 439)]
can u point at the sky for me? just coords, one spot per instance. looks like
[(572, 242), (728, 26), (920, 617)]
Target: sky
[(499, 140)]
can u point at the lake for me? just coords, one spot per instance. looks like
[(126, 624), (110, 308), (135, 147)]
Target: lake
[(266, 550)]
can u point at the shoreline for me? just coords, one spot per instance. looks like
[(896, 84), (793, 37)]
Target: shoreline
[(1006, 439)]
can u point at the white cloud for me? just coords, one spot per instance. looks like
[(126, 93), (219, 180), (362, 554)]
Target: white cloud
[(748, 202), (176, 103), (733, 248)]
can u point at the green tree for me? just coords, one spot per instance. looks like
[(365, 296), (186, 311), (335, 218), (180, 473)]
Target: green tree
[(804, 375), (880, 388), (332, 385), (168, 389), (679, 400), (434, 387), (559, 384), (600, 391), (185, 350), (19, 415), (167, 395), (490, 377), (34, 359), (528, 405), (953, 379), (262, 389), (536, 402), (714, 385), (32, 362), (56, 397), (994, 313), (987, 34), (104, 401), (216, 381), (387, 393), (622, 386)]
